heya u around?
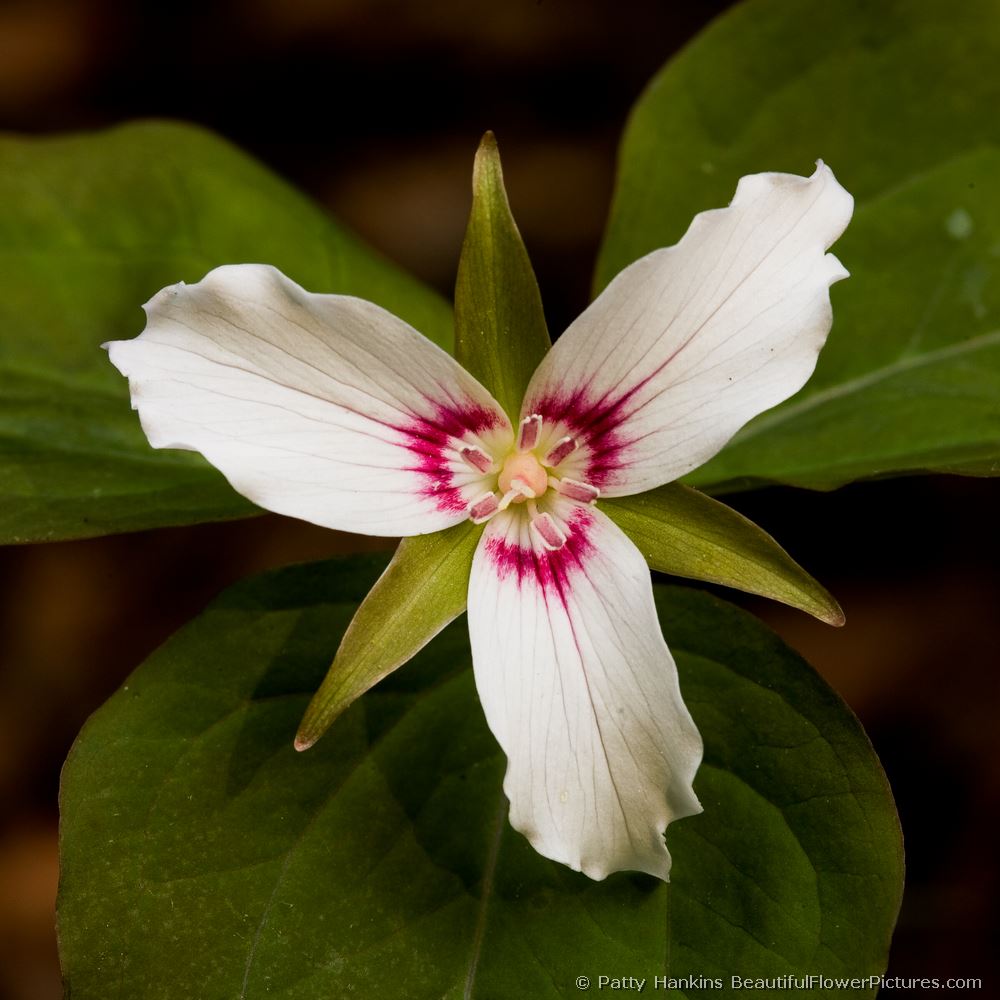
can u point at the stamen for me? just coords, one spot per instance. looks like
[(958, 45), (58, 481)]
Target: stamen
[(477, 458), (575, 490), (529, 432), (564, 446), (484, 508), (549, 533)]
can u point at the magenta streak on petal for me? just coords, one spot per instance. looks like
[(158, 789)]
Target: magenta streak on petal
[(429, 440), (598, 424), (599, 421), (549, 570)]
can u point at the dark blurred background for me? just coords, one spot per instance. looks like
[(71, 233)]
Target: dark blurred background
[(375, 107)]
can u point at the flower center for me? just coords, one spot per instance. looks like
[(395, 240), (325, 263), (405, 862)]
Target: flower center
[(523, 469), (523, 478)]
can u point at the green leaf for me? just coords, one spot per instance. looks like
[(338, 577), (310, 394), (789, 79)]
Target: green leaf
[(500, 331), (685, 533), (201, 856), (900, 99), (92, 227), (422, 590)]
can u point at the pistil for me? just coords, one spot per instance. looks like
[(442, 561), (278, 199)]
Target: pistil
[(524, 469)]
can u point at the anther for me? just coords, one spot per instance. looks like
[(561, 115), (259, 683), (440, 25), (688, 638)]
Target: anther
[(573, 489), (529, 432), (477, 458), (564, 446), (549, 533), (484, 508)]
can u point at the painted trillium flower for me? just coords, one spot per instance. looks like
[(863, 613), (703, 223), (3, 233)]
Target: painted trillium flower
[(331, 409)]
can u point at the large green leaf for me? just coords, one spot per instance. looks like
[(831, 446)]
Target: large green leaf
[(91, 227), (900, 99), (202, 857)]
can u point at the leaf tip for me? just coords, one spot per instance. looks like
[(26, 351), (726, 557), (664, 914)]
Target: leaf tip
[(303, 742), (311, 728), (831, 613), (486, 166)]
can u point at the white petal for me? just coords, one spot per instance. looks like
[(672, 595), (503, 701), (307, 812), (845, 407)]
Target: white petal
[(689, 343), (581, 692), (322, 407)]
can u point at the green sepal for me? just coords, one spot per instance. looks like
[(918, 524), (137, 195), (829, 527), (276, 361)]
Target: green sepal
[(423, 588), (685, 533), (500, 331)]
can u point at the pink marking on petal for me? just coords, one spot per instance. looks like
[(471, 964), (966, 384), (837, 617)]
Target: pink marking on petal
[(564, 447), (599, 420), (529, 432), (575, 490), (477, 458), (430, 441), (550, 570), (595, 423)]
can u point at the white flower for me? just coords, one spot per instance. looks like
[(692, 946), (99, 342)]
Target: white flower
[(330, 409)]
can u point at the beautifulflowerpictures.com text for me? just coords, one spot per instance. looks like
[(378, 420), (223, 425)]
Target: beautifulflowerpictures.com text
[(639, 984)]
